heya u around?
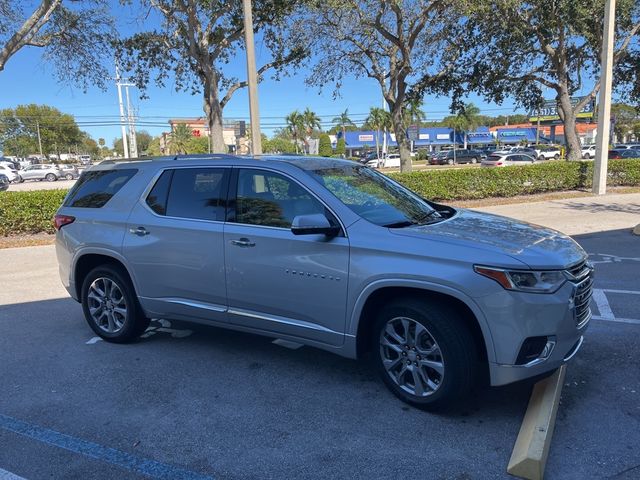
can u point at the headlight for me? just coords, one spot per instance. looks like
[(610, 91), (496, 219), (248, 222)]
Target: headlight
[(524, 280)]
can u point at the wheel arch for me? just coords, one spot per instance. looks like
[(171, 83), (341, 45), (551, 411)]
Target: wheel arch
[(88, 260), (376, 295)]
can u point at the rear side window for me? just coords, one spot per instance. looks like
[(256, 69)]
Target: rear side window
[(95, 188), (192, 193)]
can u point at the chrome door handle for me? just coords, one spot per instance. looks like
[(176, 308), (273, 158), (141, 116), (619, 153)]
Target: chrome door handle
[(243, 242), (140, 231)]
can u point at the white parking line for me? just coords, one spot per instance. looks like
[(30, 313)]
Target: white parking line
[(603, 305), (617, 319), (627, 292), (4, 475)]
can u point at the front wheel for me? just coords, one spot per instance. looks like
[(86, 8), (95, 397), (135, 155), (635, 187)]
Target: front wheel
[(450, 161), (556, 156), (110, 305), (474, 160), (424, 353), (19, 179), (50, 177), (586, 156), (68, 176)]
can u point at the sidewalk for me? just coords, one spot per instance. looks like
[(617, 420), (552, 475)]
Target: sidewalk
[(575, 216)]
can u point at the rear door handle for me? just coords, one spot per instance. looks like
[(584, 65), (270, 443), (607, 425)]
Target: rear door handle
[(243, 242), (140, 231)]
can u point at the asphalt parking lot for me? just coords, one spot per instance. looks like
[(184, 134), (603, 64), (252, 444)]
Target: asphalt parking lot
[(192, 402)]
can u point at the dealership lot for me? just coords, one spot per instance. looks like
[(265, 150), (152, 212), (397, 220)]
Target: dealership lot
[(190, 401)]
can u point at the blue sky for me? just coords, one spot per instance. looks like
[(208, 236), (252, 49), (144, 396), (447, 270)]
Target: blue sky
[(27, 79)]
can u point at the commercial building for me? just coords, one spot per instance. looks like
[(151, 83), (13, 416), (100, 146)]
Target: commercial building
[(233, 133)]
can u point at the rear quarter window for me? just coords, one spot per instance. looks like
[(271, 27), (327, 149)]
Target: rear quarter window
[(95, 188)]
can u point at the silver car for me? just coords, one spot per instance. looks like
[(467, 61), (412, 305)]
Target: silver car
[(48, 172), (507, 160), (326, 253)]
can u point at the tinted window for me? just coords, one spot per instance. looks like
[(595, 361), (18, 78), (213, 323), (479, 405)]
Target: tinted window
[(157, 198), (270, 199), (95, 188), (197, 193)]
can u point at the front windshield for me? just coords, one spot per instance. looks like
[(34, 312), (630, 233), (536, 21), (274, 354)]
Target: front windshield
[(375, 197)]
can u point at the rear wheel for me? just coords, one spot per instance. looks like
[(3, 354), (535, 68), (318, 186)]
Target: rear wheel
[(557, 156), (587, 156), (474, 160), (450, 161), (50, 177), (110, 305), (68, 176), (19, 179), (424, 353)]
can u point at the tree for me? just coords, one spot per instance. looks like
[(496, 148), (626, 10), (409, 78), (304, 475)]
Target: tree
[(626, 117), (196, 40), (19, 130), (379, 120), (310, 122), (143, 139), (389, 42), (413, 112), (180, 139), (295, 126), (74, 36), (343, 121), (515, 49), (279, 145), (467, 119), (341, 146), (324, 149)]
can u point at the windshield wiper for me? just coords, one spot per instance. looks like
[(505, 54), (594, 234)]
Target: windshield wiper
[(401, 224)]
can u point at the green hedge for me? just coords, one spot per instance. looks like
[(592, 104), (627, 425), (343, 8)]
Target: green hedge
[(475, 183), (31, 212), (28, 212)]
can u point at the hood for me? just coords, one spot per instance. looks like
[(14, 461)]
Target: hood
[(536, 246)]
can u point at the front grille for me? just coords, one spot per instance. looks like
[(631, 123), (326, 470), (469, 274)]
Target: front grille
[(581, 275)]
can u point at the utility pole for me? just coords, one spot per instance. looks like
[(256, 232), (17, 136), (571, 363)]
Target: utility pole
[(133, 143), (604, 107), (125, 143), (39, 138), (252, 79)]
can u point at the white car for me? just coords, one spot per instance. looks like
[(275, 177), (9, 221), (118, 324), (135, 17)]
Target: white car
[(506, 160), (547, 152), (588, 151), (10, 172)]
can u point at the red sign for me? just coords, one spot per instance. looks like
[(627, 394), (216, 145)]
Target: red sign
[(195, 133)]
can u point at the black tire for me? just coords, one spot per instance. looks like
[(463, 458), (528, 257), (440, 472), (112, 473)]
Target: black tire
[(556, 156), (474, 160), (451, 162), (457, 346), (68, 176), (19, 179), (542, 157), (135, 322), (50, 177), (586, 156)]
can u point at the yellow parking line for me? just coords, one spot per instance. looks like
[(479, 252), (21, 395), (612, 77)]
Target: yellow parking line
[(531, 449)]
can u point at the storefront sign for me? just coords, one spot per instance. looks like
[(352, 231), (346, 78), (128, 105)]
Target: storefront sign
[(365, 138)]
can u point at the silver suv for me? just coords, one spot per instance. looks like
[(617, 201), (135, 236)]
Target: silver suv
[(48, 172), (326, 253)]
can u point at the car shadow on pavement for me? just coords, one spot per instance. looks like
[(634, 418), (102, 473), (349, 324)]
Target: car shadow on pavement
[(595, 207)]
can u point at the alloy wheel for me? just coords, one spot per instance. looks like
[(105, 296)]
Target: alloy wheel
[(107, 305), (411, 356)]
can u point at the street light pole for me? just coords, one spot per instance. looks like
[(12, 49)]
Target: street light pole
[(604, 107), (252, 79)]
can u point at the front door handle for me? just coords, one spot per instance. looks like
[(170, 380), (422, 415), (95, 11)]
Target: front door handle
[(243, 242), (140, 231)]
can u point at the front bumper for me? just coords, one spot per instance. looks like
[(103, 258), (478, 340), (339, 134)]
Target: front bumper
[(514, 317)]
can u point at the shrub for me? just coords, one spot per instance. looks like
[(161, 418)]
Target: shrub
[(324, 147), (341, 147), (475, 183), (29, 212)]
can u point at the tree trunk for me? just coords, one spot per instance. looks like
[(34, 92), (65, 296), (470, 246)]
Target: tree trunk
[(568, 117), (213, 112), (378, 144), (401, 138)]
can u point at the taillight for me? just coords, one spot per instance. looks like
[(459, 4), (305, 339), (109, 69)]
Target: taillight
[(60, 221), (498, 163)]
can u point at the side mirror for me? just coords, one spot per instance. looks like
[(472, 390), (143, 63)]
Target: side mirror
[(316, 224)]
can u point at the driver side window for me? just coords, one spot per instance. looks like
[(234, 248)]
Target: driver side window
[(270, 199)]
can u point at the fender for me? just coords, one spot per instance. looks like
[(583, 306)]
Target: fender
[(422, 285), (89, 250)]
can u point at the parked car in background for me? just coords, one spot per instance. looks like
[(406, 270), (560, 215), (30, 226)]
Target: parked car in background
[(85, 159), (4, 182), (630, 153), (48, 172), (69, 172), (615, 154), (9, 172), (507, 159), (532, 152), (547, 152), (452, 157), (588, 151)]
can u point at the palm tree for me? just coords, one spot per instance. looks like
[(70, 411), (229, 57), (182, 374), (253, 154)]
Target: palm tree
[(295, 126), (343, 121), (378, 119), (180, 137), (467, 119), (413, 112), (310, 121)]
